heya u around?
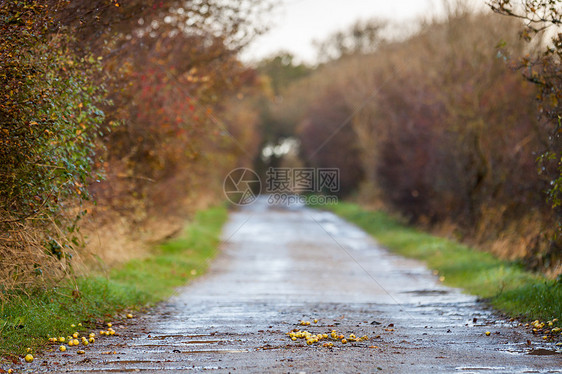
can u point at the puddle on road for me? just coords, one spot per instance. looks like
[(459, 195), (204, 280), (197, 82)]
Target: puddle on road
[(175, 336), (480, 368), (142, 345), (151, 369), (176, 344), (191, 336), (203, 341), (217, 351), (427, 292), (167, 347), (178, 340), (111, 370), (181, 336), (135, 362), (543, 352), (523, 349)]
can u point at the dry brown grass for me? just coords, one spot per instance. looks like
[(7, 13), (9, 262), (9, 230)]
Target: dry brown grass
[(509, 238), (109, 237), (113, 238), (519, 239), (25, 260)]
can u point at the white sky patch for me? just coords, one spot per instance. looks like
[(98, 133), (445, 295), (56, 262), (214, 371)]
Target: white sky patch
[(295, 24)]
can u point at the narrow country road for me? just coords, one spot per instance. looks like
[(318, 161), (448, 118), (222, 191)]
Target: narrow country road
[(280, 266)]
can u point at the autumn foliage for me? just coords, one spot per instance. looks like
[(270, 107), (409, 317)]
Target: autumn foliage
[(116, 120), (439, 127)]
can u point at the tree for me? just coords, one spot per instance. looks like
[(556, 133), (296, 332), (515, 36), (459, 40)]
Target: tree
[(545, 71), (327, 141), (282, 70), (361, 38), (277, 74), (167, 65)]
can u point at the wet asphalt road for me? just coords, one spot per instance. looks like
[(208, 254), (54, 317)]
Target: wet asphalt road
[(280, 266)]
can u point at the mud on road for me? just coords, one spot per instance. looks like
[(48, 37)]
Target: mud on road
[(280, 266)]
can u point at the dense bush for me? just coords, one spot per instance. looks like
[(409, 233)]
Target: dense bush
[(121, 101), (50, 120)]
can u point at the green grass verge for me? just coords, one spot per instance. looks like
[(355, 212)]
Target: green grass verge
[(507, 286), (28, 320)]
